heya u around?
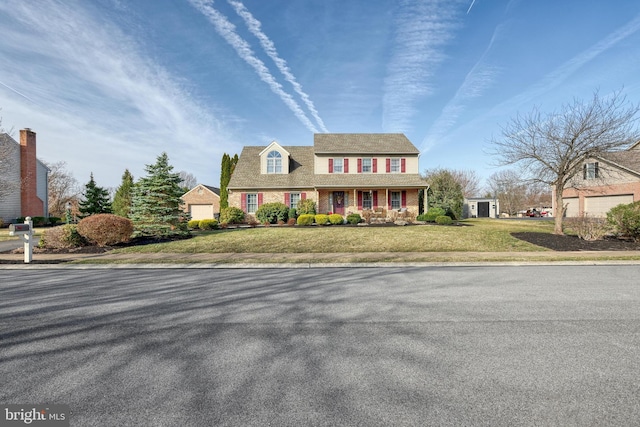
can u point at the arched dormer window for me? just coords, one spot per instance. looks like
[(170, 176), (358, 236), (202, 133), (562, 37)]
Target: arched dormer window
[(274, 162)]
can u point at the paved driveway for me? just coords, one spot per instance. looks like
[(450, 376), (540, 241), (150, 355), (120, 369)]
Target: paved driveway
[(400, 346)]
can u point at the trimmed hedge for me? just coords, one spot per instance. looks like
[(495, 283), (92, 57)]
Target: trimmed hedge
[(322, 219), (106, 229), (432, 214), (336, 219), (354, 218), (208, 224), (305, 219), (62, 237), (444, 220), (231, 215), (194, 224)]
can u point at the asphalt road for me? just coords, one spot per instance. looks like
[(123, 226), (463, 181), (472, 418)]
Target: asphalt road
[(494, 346)]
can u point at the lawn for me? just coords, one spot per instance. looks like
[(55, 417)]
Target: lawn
[(473, 235)]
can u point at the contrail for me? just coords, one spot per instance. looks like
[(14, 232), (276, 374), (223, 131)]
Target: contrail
[(13, 90), (227, 30), (472, 3), (255, 27)]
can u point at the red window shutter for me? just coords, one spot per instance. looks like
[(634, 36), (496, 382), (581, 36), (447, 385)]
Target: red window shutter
[(330, 165), (403, 165), (303, 196), (375, 199), (404, 199), (359, 165), (259, 199), (287, 199), (360, 200), (346, 165), (388, 165), (375, 165), (243, 201)]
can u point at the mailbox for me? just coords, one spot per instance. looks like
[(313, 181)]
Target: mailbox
[(18, 229)]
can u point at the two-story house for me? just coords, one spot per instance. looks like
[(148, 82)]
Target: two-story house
[(343, 173), (606, 181)]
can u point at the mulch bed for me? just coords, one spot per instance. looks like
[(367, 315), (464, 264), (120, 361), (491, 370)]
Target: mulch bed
[(573, 243)]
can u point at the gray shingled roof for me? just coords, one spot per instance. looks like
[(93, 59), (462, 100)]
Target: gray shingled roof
[(629, 159), (369, 180), (363, 143), (247, 171)]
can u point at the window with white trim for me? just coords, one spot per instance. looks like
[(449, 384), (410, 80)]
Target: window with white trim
[(396, 200), (367, 200), (338, 165), (252, 203), (591, 170), (274, 162), (395, 165), (366, 165), (294, 198)]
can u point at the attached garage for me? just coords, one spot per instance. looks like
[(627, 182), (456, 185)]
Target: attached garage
[(599, 206), (201, 211), (202, 202), (572, 208)]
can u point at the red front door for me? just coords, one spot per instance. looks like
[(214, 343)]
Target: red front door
[(338, 202)]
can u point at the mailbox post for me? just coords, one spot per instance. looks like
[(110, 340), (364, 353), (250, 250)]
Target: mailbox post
[(25, 231)]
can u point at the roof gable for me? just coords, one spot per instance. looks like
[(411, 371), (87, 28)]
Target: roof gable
[(274, 146), (207, 188)]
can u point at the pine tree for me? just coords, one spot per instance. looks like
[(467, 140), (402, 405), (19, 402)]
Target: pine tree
[(122, 199), (156, 202), (95, 199), (225, 175)]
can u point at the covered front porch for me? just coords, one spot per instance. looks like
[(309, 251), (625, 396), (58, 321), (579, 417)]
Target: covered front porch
[(373, 204)]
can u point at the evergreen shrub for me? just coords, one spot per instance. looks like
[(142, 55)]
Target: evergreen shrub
[(208, 224), (193, 224), (444, 220), (354, 218), (306, 206), (62, 237), (305, 219), (106, 229), (336, 219), (271, 213), (321, 219), (292, 213), (432, 214), (231, 215), (625, 220)]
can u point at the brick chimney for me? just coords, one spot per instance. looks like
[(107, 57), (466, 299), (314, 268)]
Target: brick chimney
[(30, 203)]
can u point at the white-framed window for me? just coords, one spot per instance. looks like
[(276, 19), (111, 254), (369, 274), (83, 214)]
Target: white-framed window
[(366, 165), (396, 200), (395, 166), (338, 165), (252, 203), (591, 170), (367, 200), (274, 162), (294, 198)]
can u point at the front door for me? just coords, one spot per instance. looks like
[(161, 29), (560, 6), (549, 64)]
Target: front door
[(483, 209), (338, 202)]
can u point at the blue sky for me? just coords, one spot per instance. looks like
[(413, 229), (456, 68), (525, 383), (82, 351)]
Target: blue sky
[(108, 85)]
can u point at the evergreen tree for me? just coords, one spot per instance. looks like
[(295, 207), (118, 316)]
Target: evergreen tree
[(122, 199), (95, 199), (445, 192), (225, 176), (156, 202)]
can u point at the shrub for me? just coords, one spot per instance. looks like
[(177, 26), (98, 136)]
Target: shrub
[(336, 219), (588, 227), (232, 215), (305, 219), (433, 213), (291, 221), (444, 220), (62, 237), (306, 206), (354, 218), (53, 220), (322, 219), (292, 213), (272, 212), (106, 229), (194, 224), (208, 224), (625, 220)]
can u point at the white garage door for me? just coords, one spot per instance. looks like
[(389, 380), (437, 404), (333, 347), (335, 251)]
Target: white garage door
[(572, 206), (599, 206), (201, 211)]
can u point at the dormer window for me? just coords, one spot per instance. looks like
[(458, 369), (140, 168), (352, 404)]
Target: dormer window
[(274, 162)]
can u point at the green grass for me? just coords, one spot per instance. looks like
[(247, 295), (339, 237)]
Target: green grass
[(474, 235)]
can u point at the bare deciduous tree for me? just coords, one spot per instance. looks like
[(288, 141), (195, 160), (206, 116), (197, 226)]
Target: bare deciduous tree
[(188, 180), (551, 148), (469, 180), (508, 187), (63, 188)]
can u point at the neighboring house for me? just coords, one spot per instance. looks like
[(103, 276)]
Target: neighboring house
[(24, 178), (605, 182), (202, 202), (482, 207), (342, 173)]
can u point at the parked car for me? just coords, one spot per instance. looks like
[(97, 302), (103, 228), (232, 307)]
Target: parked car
[(532, 213)]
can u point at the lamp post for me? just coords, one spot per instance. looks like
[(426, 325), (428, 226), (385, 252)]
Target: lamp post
[(68, 212)]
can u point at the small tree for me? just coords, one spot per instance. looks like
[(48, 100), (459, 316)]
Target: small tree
[(188, 180), (227, 167), (63, 188), (552, 148), (156, 203), (121, 205), (95, 200), (444, 192)]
